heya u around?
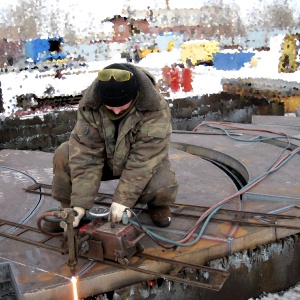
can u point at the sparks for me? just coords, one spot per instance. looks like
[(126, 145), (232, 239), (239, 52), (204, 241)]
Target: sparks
[(74, 283)]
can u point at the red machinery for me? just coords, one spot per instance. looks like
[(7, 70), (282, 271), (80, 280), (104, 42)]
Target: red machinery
[(107, 240), (99, 239)]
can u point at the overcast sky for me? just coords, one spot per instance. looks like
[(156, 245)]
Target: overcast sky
[(95, 10), (96, 7)]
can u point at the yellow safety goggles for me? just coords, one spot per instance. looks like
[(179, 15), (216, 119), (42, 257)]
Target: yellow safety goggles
[(116, 74)]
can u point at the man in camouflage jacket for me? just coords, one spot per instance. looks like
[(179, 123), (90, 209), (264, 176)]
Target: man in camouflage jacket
[(122, 132)]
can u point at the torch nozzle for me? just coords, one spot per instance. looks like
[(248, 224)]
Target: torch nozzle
[(72, 265), (73, 270)]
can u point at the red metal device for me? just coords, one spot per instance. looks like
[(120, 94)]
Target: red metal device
[(98, 239), (101, 240)]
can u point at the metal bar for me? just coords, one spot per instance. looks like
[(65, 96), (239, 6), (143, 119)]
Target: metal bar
[(180, 207), (21, 231), (33, 188), (25, 228), (46, 239), (205, 131), (187, 265), (27, 241), (230, 211), (216, 284), (238, 219), (13, 224)]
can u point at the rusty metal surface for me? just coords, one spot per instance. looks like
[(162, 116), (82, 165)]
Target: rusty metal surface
[(250, 159), (282, 122), (247, 270), (178, 269), (41, 273), (49, 268), (256, 218)]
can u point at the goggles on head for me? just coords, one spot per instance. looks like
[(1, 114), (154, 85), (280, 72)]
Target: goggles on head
[(116, 74)]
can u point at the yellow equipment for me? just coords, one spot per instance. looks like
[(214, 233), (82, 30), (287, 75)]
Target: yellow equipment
[(170, 46), (136, 54), (199, 52), (144, 52), (288, 62)]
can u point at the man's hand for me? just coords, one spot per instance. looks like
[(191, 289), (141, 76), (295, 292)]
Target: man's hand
[(80, 213), (116, 212)]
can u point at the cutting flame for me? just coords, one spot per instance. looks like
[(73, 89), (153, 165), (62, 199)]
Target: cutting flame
[(74, 283)]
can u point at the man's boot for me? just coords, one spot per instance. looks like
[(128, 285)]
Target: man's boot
[(160, 215)]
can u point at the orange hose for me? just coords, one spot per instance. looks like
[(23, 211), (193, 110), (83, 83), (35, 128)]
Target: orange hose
[(208, 211), (39, 224)]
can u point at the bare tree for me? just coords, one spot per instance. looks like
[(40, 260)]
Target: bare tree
[(24, 17), (54, 30), (70, 33), (279, 16), (221, 20), (36, 18), (273, 16)]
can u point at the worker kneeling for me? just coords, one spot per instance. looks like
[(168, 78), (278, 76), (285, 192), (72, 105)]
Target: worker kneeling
[(122, 132)]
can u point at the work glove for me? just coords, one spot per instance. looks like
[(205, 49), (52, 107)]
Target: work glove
[(79, 213), (116, 212)]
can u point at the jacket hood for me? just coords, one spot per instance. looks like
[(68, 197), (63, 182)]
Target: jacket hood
[(148, 96)]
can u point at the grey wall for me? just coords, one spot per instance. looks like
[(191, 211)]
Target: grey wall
[(47, 133)]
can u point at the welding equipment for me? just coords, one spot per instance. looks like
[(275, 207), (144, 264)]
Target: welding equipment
[(98, 239)]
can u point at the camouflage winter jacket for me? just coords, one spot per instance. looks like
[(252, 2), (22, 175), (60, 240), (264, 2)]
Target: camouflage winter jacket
[(142, 143)]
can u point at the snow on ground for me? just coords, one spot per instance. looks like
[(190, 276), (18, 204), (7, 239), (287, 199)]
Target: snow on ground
[(206, 80)]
